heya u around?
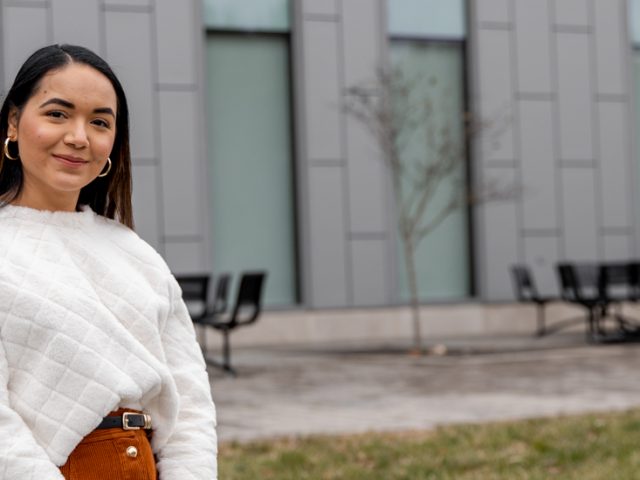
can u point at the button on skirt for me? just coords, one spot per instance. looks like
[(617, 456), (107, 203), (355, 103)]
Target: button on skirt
[(112, 454)]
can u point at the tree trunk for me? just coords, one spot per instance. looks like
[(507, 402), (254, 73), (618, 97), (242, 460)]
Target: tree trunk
[(409, 254)]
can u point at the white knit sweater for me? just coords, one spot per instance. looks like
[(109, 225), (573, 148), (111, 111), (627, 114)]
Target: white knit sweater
[(91, 320)]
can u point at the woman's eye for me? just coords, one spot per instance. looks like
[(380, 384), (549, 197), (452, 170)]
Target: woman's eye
[(101, 123), (56, 114)]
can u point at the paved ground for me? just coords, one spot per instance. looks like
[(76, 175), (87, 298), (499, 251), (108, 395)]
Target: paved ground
[(281, 392)]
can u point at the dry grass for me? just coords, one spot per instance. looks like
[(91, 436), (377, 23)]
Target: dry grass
[(598, 446)]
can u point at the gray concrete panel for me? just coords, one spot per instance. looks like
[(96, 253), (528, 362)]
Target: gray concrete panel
[(320, 7), (617, 247), (532, 46), (328, 237), (572, 12), (362, 57), (322, 90), (501, 240), (579, 214), (128, 3), (367, 194), (176, 42), (146, 201), (361, 44), (575, 94), (538, 165), (611, 46), (370, 272), (27, 3), (3, 85), (496, 94), (492, 10), (24, 30), (180, 159), (541, 255), (130, 53), (185, 257), (67, 28), (614, 165)]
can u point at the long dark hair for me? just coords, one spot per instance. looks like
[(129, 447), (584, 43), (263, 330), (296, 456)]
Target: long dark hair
[(109, 196)]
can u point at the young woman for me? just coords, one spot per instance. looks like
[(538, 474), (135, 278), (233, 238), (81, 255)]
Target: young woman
[(100, 373)]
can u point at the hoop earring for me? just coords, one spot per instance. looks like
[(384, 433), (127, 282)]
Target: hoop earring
[(6, 150), (104, 174)]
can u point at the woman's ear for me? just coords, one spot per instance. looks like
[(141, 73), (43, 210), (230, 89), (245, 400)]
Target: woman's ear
[(12, 127)]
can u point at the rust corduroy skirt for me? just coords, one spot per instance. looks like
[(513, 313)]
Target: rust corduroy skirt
[(112, 454)]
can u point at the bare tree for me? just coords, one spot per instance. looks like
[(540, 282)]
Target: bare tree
[(395, 112)]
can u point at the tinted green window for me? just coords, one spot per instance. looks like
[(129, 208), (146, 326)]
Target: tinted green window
[(442, 258), (427, 18), (251, 163), (634, 19), (255, 15)]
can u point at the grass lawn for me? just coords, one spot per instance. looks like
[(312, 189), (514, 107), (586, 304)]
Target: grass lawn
[(599, 446)]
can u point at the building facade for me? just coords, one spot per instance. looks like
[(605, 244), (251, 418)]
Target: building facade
[(244, 158)]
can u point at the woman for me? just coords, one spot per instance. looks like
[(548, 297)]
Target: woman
[(95, 340)]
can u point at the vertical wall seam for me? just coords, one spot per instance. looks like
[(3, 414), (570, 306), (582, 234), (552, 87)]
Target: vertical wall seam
[(471, 286), (479, 212), (303, 170), (517, 130), (3, 85), (389, 223), (631, 117), (294, 212), (345, 168), (595, 116), (557, 135), (199, 114), (102, 29), (49, 13), (199, 60), (160, 197)]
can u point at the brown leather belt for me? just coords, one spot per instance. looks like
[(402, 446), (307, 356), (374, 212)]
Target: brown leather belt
[(127, 421)]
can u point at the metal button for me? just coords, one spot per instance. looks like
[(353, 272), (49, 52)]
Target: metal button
[(132, 451)]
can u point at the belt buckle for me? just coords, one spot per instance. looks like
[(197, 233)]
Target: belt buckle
[(125, 421), (147, 421)]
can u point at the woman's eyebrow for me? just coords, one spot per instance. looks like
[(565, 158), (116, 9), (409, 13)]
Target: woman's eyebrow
[(69, 105), (107, 110), (58, 101)]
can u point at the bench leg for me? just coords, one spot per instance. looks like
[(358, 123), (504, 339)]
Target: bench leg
[(225, 368), (591, 327), (226, 353), (225, 365), (596, 332), (540, 317)]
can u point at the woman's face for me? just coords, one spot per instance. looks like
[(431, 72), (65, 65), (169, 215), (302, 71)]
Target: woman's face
[(65, 133)]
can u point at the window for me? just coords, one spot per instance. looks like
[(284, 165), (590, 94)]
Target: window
[(247, 15), (250, 143), (428, 43), (634, 20), (427, 19)]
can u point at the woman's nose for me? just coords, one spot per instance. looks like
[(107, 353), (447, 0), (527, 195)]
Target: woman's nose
[(77, 136)]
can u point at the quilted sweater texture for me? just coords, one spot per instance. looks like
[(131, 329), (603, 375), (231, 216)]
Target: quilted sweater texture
[(91, 319)]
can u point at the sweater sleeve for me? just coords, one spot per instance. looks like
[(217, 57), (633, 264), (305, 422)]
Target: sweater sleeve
[(20, 455), (191, 451)]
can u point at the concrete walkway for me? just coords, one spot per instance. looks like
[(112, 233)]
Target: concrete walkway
[(300, 391)]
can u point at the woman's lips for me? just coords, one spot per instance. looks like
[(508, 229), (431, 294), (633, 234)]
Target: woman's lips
[(70, 161)]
